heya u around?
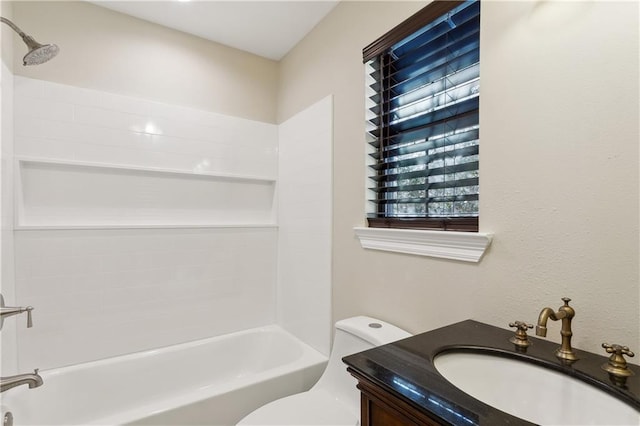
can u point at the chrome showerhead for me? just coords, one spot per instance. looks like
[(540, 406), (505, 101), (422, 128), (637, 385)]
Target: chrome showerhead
[(38, 53)]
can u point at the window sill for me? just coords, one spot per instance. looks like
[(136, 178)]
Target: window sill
[(463, 246)]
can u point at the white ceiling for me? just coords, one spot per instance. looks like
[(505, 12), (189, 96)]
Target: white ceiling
[(266, 28)]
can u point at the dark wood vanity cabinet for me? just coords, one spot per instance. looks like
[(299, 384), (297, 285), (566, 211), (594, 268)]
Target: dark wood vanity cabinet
[(380, 408), (400, 385)]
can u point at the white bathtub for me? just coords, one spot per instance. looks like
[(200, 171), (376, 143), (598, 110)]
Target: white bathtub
[(214, 381)]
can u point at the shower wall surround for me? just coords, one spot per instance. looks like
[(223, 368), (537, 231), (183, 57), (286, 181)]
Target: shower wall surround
[(8, 361), (163, 252), (57, 121), (305, 224)]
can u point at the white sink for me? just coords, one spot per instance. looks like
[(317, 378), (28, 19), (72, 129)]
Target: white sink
[(531, 392)]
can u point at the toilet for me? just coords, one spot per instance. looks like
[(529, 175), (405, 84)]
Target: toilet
[(334, 399)]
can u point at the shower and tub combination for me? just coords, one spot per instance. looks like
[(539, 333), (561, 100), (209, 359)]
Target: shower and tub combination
[(188, 286)]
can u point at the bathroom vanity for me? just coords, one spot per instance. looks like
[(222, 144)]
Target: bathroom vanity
[(400, 384)]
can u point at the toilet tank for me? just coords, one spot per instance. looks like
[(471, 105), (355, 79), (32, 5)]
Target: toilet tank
[(354, 335), (373, 332)]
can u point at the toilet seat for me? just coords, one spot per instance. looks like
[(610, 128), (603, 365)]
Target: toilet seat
[(315, 407)]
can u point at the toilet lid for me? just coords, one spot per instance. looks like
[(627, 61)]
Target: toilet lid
[(308, 408)]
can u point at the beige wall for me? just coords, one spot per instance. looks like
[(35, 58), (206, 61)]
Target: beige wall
[(106, 50), (559, 170)]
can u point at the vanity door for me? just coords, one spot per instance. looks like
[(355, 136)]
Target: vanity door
[(380, 408)]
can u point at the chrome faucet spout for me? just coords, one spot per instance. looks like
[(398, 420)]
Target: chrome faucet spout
[(33, 380), (565, 313)]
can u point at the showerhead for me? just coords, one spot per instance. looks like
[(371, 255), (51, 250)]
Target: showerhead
[(38, 53)]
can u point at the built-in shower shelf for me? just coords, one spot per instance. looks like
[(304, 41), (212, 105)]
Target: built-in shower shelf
[(213, 175), (52, 194)]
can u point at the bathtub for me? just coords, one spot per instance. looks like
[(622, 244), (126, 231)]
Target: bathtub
[(214, 381)]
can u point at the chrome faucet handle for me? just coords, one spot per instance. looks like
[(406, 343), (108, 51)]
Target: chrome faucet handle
[(520, 339), (29, 317), (7, 311), (617, 365)]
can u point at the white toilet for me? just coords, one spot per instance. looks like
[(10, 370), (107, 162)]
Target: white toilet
[(334, 400)]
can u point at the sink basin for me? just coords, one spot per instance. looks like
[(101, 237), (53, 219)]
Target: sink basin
[(531, 392)]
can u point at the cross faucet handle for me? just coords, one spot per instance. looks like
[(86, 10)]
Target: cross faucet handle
[(520, 325), (617, 365), (618, 349), (521, 340)]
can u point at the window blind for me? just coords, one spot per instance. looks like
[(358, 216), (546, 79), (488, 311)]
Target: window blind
[(423, 121)]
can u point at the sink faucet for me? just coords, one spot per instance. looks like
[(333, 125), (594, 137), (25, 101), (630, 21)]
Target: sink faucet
[(564, 353), (32, 379)]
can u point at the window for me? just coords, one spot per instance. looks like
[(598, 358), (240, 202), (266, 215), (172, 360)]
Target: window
[(423, 120)]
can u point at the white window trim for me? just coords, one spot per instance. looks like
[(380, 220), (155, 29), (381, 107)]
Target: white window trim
[(463, 246)]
